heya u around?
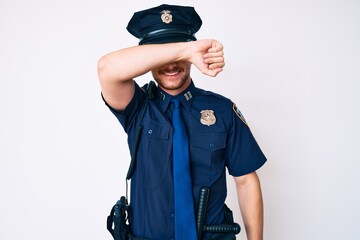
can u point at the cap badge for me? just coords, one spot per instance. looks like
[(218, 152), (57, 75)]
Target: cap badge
[(166, 16), (207, 117)]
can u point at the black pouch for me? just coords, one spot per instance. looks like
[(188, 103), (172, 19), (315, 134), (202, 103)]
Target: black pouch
[(228, 220), (228, 223), (228, 215), (118, 222), (229, 236)]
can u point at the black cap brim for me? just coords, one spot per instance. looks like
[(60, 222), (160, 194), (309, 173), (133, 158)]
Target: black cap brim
[(161, 39)]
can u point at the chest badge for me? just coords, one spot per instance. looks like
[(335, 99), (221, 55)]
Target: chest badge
[(207, 117)]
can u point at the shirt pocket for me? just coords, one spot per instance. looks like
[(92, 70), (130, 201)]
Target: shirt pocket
[(207, 152), (154, 157)]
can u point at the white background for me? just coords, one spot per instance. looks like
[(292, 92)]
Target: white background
[(292, 67)]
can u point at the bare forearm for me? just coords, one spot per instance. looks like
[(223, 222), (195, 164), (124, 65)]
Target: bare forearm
[(128, 63), (251, 205)]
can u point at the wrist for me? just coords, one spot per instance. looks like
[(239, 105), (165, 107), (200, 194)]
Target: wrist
[(186, 51)]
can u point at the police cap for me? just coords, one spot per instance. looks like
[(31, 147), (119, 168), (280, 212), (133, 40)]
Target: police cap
[(165, 24)]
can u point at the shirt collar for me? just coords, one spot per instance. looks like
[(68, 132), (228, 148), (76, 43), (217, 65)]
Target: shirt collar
[(185, 97)]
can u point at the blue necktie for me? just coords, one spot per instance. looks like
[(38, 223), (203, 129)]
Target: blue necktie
[(185, 227)]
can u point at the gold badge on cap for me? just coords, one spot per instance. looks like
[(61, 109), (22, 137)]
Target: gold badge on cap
[(166, 16), (207, 117)]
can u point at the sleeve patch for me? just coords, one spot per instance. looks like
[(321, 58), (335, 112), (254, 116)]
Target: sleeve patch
[(239, 114)]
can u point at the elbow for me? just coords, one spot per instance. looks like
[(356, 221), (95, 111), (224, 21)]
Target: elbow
[(102, 68), (110, 70)]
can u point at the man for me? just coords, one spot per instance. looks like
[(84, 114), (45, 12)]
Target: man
[(216, 132)]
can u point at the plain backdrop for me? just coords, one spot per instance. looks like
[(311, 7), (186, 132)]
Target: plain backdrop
[(292, 67)]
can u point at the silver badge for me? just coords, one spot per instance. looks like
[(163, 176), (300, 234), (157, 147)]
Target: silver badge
[(166, 16), (207, 117)]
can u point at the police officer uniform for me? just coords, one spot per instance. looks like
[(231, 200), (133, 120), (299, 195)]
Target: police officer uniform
[(219, 137)]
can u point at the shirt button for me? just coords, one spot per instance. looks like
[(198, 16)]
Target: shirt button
[(150, 131), (212, 145), (173, 215)]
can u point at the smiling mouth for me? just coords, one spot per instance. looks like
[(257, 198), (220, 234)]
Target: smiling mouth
[(171, 73)]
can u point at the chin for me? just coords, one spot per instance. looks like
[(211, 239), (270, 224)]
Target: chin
[(174, 88), (171, 86)]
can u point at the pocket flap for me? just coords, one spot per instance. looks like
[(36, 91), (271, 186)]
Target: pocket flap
[(211, 142), (156, 130)]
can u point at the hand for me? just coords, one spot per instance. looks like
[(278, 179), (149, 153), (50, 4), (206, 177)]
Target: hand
[(208, 56)]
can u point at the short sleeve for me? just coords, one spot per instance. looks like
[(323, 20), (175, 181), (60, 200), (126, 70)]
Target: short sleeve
[(127, 115), (243, 154)]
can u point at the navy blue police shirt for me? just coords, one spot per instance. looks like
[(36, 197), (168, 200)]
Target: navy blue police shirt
[(218, 137)]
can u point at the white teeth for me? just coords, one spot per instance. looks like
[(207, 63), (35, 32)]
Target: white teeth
[(170, 73)]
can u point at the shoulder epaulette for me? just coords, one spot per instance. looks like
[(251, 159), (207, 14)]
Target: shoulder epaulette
[(210, 93)]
